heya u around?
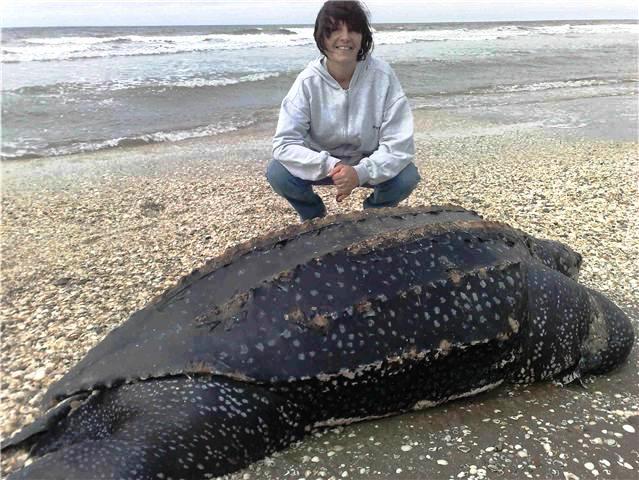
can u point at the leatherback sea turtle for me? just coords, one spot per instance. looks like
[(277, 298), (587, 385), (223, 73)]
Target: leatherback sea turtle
[(347, 318)]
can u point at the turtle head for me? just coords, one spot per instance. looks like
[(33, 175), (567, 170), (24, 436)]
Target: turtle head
[(556, 255), (610, 336)]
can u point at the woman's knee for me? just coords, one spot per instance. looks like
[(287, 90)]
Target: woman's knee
[(286, 184), (407, 179), (277, 176)]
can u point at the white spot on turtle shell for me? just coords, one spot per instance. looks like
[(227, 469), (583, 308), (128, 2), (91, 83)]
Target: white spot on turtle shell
[(514, 324)]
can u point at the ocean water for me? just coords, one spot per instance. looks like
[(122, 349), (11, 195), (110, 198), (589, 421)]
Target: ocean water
[(68, 90)]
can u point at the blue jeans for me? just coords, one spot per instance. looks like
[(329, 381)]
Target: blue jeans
[(309, 205)]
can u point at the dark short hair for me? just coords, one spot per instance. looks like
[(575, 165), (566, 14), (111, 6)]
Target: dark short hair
[(354, 14)]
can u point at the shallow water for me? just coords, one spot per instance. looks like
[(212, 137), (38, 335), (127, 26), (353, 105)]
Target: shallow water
[(68, 90)]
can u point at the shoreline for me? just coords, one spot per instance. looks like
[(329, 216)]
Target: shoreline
[(90, 238), (482, 124)]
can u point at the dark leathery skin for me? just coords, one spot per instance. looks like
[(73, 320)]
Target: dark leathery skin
[(338, 320)]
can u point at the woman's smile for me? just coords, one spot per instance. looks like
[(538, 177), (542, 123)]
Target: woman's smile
[(344, 44)]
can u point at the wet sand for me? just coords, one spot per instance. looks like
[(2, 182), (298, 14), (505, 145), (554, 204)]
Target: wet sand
[(88, 239)]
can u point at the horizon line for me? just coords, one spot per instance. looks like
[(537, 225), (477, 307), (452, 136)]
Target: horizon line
[(635, 20)]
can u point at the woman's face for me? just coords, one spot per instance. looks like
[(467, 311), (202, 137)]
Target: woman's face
[(343, 45)]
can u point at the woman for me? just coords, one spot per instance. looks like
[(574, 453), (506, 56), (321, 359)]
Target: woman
[(345, 121)]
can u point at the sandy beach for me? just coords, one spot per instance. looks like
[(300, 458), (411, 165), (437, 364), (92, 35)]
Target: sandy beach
[(88, 239)]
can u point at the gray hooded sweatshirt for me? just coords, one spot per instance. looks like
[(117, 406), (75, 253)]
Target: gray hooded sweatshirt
[(368, 126)]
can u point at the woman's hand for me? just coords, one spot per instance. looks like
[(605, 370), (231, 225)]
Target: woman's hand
[(345, 179)]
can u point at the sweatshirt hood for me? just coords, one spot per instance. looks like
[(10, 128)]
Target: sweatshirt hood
[(319, 67)]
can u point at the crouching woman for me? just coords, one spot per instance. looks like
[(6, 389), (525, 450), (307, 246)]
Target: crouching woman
[(345, 121)]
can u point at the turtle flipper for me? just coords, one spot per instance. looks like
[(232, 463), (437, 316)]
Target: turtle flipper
[(32, 432), (176, 427)]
